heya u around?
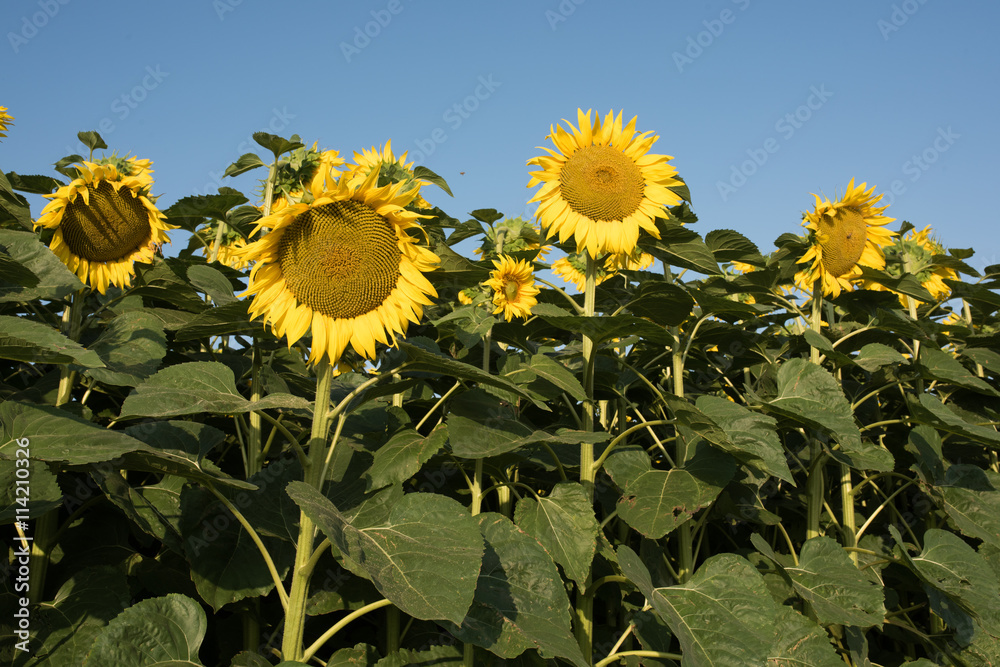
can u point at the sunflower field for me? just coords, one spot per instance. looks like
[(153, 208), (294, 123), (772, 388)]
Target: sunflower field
[(342, 427)]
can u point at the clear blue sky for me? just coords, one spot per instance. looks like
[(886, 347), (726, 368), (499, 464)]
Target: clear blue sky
[(887, 92)]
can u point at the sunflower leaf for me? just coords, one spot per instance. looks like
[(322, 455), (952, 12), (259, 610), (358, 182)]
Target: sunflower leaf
[(190, 212), (487, 215), (24, 340), (55, 281), (157, 631), (131, 346), (927, 409), (277, 145), (424, 556), (426, 174), (728, 245), (564, 524), (245, 163), (91, 140), (14, 273), (665, 304), (34, 184), (64, 167)]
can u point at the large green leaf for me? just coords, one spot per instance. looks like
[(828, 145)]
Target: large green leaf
[(749, 436), (601, 328), (724, 616), (830, 582), (808, 394), (521, 369), (155, 509), (227, 320), (941, 366), (67, 625), (37, 493), (402, 456), (928, 409), (424, 558), (949, 566), (490, 436), (197, 387), (24, 340), (520, 600), (664, 303), (873, 356), (132, 347), (972, 500), (161, 632), (226, 565), (212, 282), (565, 525)]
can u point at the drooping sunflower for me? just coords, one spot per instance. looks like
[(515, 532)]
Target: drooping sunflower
[(573, 270), (6, 120), (105, 221), (230, 253), (634, 261), (845, 235), (513, 285), (914, 253), (390, 169), (518, 234), (601, 185), (342, 267)]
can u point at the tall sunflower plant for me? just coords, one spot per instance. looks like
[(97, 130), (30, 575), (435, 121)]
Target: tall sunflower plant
[(600, 438)]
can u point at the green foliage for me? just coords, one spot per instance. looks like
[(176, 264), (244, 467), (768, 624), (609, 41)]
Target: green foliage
[(694, 472)]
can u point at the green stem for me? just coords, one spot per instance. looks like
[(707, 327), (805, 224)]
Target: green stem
[(214, 256), (815, 486), (588, 473), (337, 627), (611, 659), (685, 545), (295, 616)]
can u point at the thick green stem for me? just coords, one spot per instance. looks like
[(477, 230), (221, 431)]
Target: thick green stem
[(584, 603), (295, 616), (815, 486), (685, 546)]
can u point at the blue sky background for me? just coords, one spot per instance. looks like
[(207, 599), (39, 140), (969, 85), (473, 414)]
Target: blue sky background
[(901, 94)]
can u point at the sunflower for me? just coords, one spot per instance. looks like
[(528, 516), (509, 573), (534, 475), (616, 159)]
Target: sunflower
[(845, 235), (602, 185), (914, 254), (6, 120), (342, 266), (513, 285), (105, 221), (634, 261), (573, 270), (518, 235), (390, 169)]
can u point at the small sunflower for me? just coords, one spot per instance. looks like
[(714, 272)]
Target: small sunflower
[(105, 221), (6, 120), (342, 266), (573, 270), (845, 235), (601, 185), (914, 253), (513, 285), (390, 169), (634, 261)]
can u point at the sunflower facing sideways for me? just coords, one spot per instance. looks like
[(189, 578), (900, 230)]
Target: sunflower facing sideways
[(845, 235), (513, 286), (6, 120), (105, 221), (342, 267), (602, 185), (914, 253)]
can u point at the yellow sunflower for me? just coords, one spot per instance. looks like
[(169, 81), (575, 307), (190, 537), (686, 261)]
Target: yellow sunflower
[(390, 169), (513, 285), (914, 254), (601, 185), (573, 270), (6, 120), (845, 235), (342, 267), (635, 261), (105, 221)]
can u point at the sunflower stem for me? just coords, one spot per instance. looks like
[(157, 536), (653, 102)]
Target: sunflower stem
[(685, 546), (815, 484), (584, 603), (295, 616), (218, 242)]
